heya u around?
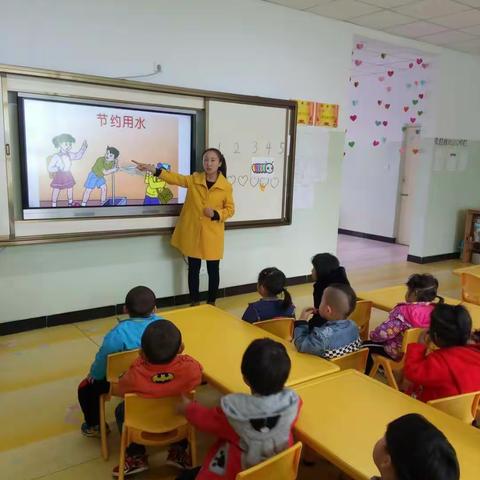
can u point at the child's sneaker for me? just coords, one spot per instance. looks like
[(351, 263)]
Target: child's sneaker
[(179, 457), (92, 431), (133, 465)]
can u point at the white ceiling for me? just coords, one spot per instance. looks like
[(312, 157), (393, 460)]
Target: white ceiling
[(453, 24)]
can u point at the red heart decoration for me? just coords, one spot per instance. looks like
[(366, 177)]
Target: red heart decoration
[(359, 46), (389, 89), (415, 150), (420, 95), (410, 65), (379, 102), (387, 106), (390, 73), (425, 65), (353, 118), (381, 79), (413, 119), (355, 84), (405, 109), (401, 150), (385, 123), (416, 82), (358, 63), (376, 143), (419, 61)]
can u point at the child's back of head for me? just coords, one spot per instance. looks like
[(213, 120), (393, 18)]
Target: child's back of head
[(414, 449), (338, 302), (271, 282), (161, 342), (324, 264), (140, 302), (422, 287), (450, 325), (265, 366)]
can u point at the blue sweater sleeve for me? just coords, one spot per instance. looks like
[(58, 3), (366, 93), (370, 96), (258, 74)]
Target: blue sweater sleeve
[(112, 343), (309, 342), (250, 315)]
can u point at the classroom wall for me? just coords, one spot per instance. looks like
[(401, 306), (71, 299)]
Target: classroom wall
[(241, 46)]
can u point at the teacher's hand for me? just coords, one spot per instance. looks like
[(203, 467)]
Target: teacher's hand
[(145, 167), (208, 212)]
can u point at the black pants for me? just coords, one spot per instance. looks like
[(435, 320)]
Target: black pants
[(213, 268), (89, 393), (376, 348), (134, 449), (189, 474)]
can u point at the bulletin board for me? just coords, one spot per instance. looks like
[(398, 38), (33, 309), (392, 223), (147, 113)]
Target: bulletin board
[(256, 135)]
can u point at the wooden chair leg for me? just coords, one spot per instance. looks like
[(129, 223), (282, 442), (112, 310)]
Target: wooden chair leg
[(391, 380), (103, 429), (123, 448), (374, 370), (192, 441)]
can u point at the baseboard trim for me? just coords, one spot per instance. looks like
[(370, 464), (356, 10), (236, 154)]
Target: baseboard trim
[(369, 236), (433, 258), (78, 316)]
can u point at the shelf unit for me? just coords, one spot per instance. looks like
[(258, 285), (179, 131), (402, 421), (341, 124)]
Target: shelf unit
[(469, 245)]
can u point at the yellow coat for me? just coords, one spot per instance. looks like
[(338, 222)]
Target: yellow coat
[(197, 235)]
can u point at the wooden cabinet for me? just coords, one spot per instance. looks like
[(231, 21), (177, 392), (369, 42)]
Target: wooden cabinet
[(469, 244)]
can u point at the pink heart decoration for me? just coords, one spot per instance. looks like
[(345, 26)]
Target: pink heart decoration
[(390, 73), (389, 89), (358, 63), (425, 65), (405, 109), (416, 82), (376, 143), (381, 79), (385, 123), (387, 106), (402, 150), (410, 65), (413, 119), (359, 46), (419, 61), (353, 118), (420, 95)]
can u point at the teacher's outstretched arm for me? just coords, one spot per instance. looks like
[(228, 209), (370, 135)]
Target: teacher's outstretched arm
[(170, 177)]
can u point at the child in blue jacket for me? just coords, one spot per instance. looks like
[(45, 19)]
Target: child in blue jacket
[(127, 335), (337, 336)]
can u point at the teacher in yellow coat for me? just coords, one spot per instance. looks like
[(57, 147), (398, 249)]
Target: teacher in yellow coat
[(199, 233)]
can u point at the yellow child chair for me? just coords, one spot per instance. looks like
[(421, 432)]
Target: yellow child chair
[(281, 327), (361, 316), (356, 360), (464, 407), (283, 466), (156, 422), (117, 365), (389, 366), (471, 288)]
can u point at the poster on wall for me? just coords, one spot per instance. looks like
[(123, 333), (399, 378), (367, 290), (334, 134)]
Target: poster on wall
[(326, 115)]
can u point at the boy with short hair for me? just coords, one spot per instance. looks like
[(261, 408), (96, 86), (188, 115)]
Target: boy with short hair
[(160, 371), (140, 306), (337, 336), (250, 428)]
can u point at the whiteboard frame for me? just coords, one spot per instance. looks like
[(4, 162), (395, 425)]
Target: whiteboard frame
[(189, 94)]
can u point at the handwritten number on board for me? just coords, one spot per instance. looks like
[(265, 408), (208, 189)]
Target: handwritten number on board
[(282, 148), (268, 148), (255, 147), (220, 146), (236, 147)]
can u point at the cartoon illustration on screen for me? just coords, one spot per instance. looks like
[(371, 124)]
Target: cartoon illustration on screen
[(157, 191), (60, 164), (104, 165)]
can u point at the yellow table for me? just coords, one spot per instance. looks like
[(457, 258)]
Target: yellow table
[(218, 340), (387, 298), (473, 269), (344, 414), (474, 311)]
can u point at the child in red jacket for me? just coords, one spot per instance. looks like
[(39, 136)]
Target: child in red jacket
[(454, 368), (250, 428), (160, 371)]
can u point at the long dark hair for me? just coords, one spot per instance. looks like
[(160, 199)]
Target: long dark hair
[(324, 264), (223, 164), (424, 286), (273, 281)]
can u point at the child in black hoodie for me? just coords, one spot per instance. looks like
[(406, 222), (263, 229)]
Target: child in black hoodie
[(325, 272)]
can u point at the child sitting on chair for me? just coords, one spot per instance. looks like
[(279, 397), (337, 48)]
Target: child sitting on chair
[(140, 306), (271, 283), (250, 428), (160, 371), (414, 449), (415, 312), (337, 336), (451, 369)]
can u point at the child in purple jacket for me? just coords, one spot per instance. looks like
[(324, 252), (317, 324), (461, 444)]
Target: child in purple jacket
[(415, 312)]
